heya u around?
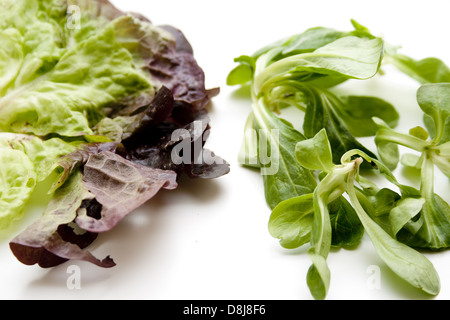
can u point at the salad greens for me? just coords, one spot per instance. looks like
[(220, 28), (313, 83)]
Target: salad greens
[(299, 72), (61, 84), (428, 226), (27, 161), (339, 179), (90, 100), (326, 191)]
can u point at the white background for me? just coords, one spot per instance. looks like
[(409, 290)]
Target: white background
[(209, 239)]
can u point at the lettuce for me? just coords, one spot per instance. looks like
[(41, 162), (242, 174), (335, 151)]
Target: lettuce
[(52, 240), (26, 160), (62, 82), (90, 100)]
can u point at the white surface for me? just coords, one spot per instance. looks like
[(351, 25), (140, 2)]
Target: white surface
[(209, 239)]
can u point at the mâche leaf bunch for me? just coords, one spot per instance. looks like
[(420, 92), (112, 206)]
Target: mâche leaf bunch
[(427, 227), (321, 195), (299, 72), (90, 100), (356, 214)]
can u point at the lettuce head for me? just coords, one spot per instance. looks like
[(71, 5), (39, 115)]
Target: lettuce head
[(89, 97)]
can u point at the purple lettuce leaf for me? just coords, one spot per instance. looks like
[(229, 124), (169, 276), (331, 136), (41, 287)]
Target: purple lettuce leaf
[(177, 68), (120, 187), (180, 149), (70, 162), (51, 240)]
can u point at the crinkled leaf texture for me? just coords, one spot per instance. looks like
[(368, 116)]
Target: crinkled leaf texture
[(57, 79), (157, 141), (102, 104), (50, 241), (120, 186), (177, 69), (26, 160), (64, 82), (109, 189)]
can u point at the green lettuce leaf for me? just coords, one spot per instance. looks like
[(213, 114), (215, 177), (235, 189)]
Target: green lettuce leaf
[(62, 80), (26, 160)]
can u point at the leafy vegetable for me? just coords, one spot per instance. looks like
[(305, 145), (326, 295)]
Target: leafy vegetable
[(428, 226), (104, 105), (283, 179), (428, 70), (26, 160), (299, 72), (50, 240), (67, 94), (120, 186), (338, 202), (407, 263)]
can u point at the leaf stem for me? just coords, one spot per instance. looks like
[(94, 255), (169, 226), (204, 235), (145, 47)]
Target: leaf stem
[(388, 135)]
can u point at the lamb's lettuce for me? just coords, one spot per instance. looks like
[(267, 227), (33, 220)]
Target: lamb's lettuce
[(300, 72), (294, 229), (303, 71), (428, 226), (427, 70)]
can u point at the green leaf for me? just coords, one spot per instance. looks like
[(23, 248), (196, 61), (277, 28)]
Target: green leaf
[(321, 113), (350, 57), (411, 160), (315, 153), (18, 183), (404, 261), (354, 57), (379, 205), (330, 188), (359, 27), (436, 222), (446, 135), (240, 75), (387, 141), (405, 210), (434, 100), (291, 221), (318, 276), (61, 80), (419, 132), (384, 201), (347, 230), (407, 263), (358, 111), (434, 217), (283, 176), (428, 70), (310, 40), (26, 160), (243, 73)]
